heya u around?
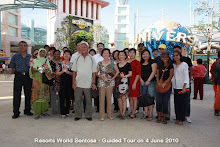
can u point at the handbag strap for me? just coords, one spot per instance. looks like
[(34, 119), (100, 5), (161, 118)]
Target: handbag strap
[(164, 72)]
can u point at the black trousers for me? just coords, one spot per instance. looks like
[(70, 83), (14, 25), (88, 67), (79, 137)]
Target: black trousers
[(26, 82), (66, 92), (180, 104)]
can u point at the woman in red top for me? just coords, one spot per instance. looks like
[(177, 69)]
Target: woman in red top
[(199, 77), (134, 86)]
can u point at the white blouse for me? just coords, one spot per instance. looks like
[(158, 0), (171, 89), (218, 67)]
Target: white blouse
[(181, 76)]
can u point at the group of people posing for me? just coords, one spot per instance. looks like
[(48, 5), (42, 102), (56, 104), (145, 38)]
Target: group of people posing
[(48, 77)]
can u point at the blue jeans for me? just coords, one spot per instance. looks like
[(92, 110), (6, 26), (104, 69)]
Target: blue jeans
[(150, 89), (163, 100)]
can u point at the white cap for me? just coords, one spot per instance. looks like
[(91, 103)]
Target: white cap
[(84, 42)]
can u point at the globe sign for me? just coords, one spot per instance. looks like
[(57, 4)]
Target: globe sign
[(166, 26)]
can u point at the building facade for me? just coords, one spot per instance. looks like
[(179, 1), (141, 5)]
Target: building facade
[(85, 12), (11, 33), (121, 24)]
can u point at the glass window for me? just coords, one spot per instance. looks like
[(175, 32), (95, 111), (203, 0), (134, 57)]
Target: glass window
[(121, 28), (121, 36), (121, 10), (119, 45), (121, 19), (12, 31), (12, 19)]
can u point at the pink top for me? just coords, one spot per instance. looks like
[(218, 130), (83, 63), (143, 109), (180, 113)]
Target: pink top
[(199, 71)]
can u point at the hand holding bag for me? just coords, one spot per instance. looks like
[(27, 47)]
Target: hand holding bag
[(166, 87)]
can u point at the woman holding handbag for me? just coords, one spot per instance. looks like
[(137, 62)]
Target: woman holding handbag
[(108, 71), (164, 76), (40, 91), (148, 80)]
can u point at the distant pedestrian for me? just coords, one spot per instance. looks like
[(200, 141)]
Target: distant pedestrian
[(199, 77)]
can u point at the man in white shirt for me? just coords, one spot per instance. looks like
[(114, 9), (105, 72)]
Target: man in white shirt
[(84, 73), (77, 53), (98, 58)]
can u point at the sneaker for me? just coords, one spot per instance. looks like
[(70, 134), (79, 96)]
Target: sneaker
[(216, 113), (136, 111), (28, 113), (15, 116), (77, 118), (89, 118), (188, 120)]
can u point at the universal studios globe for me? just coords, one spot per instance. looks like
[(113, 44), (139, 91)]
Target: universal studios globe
[(166, 26)]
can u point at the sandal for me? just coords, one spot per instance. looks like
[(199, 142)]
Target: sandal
[(130, 117), (150, 119), (177, 121), (37, 117), (122, 117), (180, 123), (119, 116), (164, 122), (144, 116), (158, 121)]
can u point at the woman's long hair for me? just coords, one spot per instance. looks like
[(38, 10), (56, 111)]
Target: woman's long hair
[(179, 55)]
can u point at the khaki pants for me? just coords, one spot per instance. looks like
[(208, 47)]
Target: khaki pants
[(102, 93), (78, 102)]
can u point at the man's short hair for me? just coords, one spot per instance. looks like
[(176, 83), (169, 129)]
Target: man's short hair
[(199, 61), (177, 46), (23, 42), (101, 44), (140, 44), (65, 48), (132, 49), (154, 50), (46, 46)]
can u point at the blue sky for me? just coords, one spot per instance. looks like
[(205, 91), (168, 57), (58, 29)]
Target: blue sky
[(150, 11)]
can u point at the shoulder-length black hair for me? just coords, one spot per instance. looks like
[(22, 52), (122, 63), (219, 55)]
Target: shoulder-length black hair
[(179, 55), (126, 56), (113, 54), (142, 60)]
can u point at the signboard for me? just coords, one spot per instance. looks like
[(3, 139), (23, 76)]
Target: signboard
[(204, 51), (81, 24), (4, 57), (170, 36)]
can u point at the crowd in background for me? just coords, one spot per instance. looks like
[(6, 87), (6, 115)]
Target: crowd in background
[(65, 81)]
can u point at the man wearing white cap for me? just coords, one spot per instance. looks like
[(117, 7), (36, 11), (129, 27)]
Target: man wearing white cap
[(84, 69)]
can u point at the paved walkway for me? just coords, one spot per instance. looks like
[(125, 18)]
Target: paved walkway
[(26, 131)]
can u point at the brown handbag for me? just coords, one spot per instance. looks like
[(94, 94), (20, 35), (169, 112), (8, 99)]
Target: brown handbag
[(166, 87)]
